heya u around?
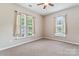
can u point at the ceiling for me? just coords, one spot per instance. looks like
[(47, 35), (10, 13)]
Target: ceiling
[(49, 9)]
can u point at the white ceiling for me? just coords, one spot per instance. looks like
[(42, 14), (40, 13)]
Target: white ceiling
[(49, 9)]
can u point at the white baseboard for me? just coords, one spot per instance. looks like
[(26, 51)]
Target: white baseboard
[(18, 44), (62, 41), (35, 40)]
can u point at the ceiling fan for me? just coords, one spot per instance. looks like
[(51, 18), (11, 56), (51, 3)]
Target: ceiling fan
[(45, 5)]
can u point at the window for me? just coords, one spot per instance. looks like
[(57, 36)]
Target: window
[(24, 25), (30, 26), (60, 26)]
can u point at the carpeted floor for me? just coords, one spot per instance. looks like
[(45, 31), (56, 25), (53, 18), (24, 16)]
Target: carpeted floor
[(43, 47)]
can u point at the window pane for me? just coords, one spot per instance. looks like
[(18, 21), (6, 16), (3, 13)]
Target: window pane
[(60, 25), (29, 25), (23, 25)]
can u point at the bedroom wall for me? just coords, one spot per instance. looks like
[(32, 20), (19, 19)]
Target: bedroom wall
[(6, 26), (72, 20)]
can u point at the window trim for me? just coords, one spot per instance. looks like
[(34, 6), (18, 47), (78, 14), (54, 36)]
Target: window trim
[(33, 22), (65, 25), (15, 24)]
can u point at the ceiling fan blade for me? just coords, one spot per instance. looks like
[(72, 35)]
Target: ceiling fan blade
[(40, 4), (44, 6), (51, 4)]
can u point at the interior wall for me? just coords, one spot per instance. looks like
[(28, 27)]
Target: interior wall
[(72, 20), (44, 26), (7, 23)]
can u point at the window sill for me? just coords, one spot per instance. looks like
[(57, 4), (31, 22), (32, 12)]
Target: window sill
[(17, 38), (60, 34), (30, 36)]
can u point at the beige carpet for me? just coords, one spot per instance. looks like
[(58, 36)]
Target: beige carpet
[(42, 47)]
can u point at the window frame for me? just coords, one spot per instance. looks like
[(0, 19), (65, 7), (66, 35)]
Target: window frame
[(15, 25), (61, 34), (33, 25)]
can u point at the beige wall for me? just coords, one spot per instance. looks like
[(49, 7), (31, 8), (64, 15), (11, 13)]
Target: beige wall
[(7, 22), (72, 25), (44, 26)]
